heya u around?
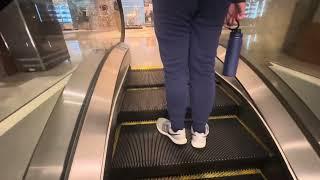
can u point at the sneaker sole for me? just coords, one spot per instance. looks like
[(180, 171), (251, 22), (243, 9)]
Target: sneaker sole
[(182, 142)]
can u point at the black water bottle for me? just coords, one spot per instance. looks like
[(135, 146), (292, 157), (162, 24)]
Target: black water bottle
[(233, 52)]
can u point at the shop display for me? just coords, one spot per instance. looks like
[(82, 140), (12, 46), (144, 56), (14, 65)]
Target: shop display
[(62, 12), (101, 15), (134, 14), (37, 42), (255, 8), (7, 65), (148, 11)]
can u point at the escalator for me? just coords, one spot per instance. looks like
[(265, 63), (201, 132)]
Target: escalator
[(238, 147), (103, 125)]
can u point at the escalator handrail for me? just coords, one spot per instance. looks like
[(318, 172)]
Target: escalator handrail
[(53, 148), (92, 145), (123, 31)]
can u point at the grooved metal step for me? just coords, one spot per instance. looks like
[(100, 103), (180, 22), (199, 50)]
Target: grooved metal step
[(140, 151), (145, 78), (142, 78), (150, 103)]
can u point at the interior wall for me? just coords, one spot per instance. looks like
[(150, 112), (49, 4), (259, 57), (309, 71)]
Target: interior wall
[(316, 18), (266, 26), (303, 39)]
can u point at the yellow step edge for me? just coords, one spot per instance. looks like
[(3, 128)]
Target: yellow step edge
[(145, 68), (143, 89), (223, 117), (218, 174), (133, 123)]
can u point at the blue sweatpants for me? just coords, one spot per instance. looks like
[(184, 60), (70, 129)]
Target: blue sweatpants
[(188, 33)]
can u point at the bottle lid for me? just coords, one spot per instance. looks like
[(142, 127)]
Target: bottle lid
[(238, 30)]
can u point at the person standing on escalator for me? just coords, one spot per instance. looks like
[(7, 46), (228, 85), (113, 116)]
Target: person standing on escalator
[(188, 33)]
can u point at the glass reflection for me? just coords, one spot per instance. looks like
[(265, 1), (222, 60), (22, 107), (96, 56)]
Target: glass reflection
[(255, 8)]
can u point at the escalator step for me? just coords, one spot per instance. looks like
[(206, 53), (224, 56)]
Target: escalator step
[(145, 78), (140, 151), (150, 103), (246, 174), (140, 78)]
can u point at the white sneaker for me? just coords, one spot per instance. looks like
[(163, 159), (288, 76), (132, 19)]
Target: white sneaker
[(199, 140), (164, 127)]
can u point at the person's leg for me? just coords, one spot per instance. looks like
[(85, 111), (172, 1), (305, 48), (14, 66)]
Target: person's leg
[(206, 29), (172, 26)]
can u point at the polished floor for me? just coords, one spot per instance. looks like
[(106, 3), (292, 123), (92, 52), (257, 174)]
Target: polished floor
[(144, 48)]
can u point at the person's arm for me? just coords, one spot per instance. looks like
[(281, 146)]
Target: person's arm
[(236, 11)]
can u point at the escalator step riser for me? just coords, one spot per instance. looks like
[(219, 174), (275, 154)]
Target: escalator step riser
[(143, 152)]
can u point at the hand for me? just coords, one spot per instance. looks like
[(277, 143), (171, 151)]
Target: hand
[(236, 11)]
